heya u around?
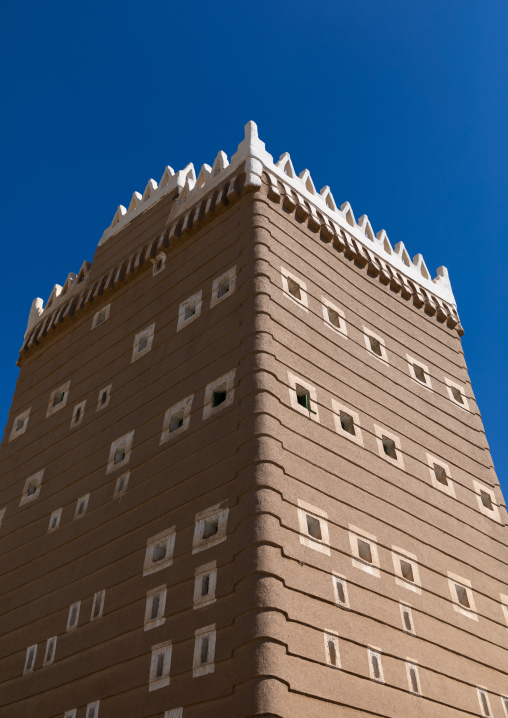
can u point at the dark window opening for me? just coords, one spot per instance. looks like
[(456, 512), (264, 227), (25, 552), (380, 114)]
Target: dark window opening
[(407, 621), (347, 423), (457, 394), (121, 484), (462, 596), (314, 527), (341, 595), (159, 551), (389, 447), (97, 605), (294, 289), (419, 373), (406, 570), (73, 618), (176, 421), (50, 651), (104, 397), (440, 474), (143, 343), (159, 671), (210, 528), (31, 659), (414, 680), (204, 649), (486, 500), (190, 310), (333, 317), (101, 317), (223, 289), (159, 264), (32, 489), (119, 455), (77, 415), (303, 398), (54, 521), (58, 398), (375, 666), (219, 397), (205, 585), (364, 551), (485, 705), (20, 424), (375, 346), (332, 652), (155, 606), (81, 507)]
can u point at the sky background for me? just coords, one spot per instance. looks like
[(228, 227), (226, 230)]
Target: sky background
[(399, 106)]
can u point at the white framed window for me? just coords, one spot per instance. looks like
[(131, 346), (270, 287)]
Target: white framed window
[(440, 475), (49, 655), (332, 654), (31, 653), (389, 447), (457, 394), (219, 394), (486, 499), (104, 397), (81, 506), (101, 316), (92, 710), (406, 570), (155, 607), (174, 713), (58, 399), (204, 651), (340, 590), (347, 422), (504, 606), (54, 520), (334, 317), (73, 617), (160, 666), (159, 263), (294, 288), (143, 342), (375, 345), (413, 677), (205, 584), (406, 615), (78, 413), (98, 605), (120, 452), (483, 700), (462, 596), (364, 551), (189, 310), (419, 372), (159, 551), (121, 485), (176, 419), (32, 488), (303, 397), (375, 665), (20, 424), (71, 713), (210, 527), (223, 286), (2, 514), (313, 525), (504, 703)]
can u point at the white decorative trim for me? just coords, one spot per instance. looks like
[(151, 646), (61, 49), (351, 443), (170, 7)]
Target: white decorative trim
[(159, 263), (98, 601), (332, 637), (287, 277), (356, 534), (174, 713), (343, 581), (212, 520), (143, 342), (224, 383), (453, 581), (504, 606), (207, 572), (405, 608), (315, 514), (92, 710), (367, 333), (294, 383), (448, 488), (36, 481), (49, 653), (121, 485), (450, 385), (191, 304), (79, 412), (81, 502), (165, 539), (337, 408), (486, 710), (180, 411), (101, 316), (491, 513), (226, 279), (72, 624), (20, 424), (107, 391), (412, 363), (375, 653), (199, 667), (124, 443), (380, 433), (54, 520), (340, 318), (62, 390), (398, 555), (160, 619), (30, 658)]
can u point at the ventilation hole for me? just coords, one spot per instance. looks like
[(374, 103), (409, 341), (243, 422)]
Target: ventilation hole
[(314, 527), (364, 551), (347, 423)]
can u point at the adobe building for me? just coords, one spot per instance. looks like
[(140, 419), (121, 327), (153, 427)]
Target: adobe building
[(244, 472)]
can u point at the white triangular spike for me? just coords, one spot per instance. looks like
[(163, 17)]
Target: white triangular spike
[(204, 173), (150, 187), (401, 251), (348, 214), (307, 181), (136, 199), (120, 212), (220, 163), (36, 310), (382, 238), (419, 262), (57, 290), (189, 172), (326, 194), (364, 224), (442, 277), (186, 189), (166, 177), (286, 165)]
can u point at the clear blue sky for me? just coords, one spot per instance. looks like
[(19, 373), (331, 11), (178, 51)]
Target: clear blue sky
[(399, 106)]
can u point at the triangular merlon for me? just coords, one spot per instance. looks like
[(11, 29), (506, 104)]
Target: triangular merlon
[(366, 226), (220, 163), (307, 181), (286, 165), (382, 239), (204, 173), (401, 251), (136, 199), (57, 290), (120, 212), (69, 282), (150, 187), (326, 194), (347, 212), (169, 172), (419, 263)]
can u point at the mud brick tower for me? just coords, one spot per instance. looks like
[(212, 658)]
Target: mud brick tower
[(244, 472)]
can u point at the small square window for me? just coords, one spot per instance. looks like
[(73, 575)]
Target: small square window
[(58, 399), (54, 520), (104, 397), (73, 617), (32, 488), (121, 485), (462, 596), (219, 394), (159, 263), (340, 591), (375, 666), (78, 413), (98, 605), (347, 422), (440, 475), (49, 655), (419, 372), (20, 424), (406, 570), (484, 702), (303, 397), (204, 651), (486, 500), (223, 286), (407, 618), (375, 345), (413, 678), (313, 526), (176, 419), (210, 528), (189, 310), (364, 551), (160, 666), (332, 649), (101, 316), (143, 342), (92, 710), (457, 394), (334, 317), (389, 446), (218, 397), (294, 289), (159, 551), (81, 506), (119, 453), (205, 584), (155, 607), (31, 653)]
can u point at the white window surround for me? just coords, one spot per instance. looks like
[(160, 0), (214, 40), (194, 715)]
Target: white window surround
[(71, 713), (81, 503), (174, 713), (195, 302), (159, 620), (23, 417), (100, 403), (73, 617), (356, 533), (453, 581), (398, 555), (200, 668), (449, 384), (504, 606), (295, 382), (304, 510), (492, 514), (337, 408), (375, 653), (332, 636), (36, 481), (165, 650), (225, 383), (338, 577), (98, 605), (412, 362), (125, 443), (227, 277), (101, 316), (146, 337), (206, 571), (380, 432), (2, 514), (31, 655), (341, 317), (369, 333), (216, 515), (448, 488), (92, 710), (504, 703), (180, 410), (78, 413), (159, 263), (404, 608), (412, 664), (121, 485), (483, 700), (163, 540), (54, 520), (49, 654), (63, 389), (286, 277)]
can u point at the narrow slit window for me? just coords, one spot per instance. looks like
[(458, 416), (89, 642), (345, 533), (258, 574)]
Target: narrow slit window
[(376, 669), (504, 701), (364, 551), (389, 447), (98, 605), (332, 653), (414, 683), (49, 656), (121, 485), (155, 607), (314, 527), (77, 415), (104, 397), (143, 343), (406, 570), (347, 423), (484, 703), (101, 317), (375, 346), (160, 666), (407, 619), (54, 520), (73, 618), (205, 584), (204, 651), (340, 591), (332, 650), (486, 500), (92, 710), (294, 289), (440, 475), (462, 596), (81, 506), (31, 653)]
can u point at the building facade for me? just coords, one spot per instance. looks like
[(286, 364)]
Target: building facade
[(244, 472)]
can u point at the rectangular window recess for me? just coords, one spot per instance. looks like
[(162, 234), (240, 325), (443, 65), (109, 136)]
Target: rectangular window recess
[(210, 527), (294, 289), (333, 317), (419, 373), (73, 618), (332, 652), (364, 551), (50, 650), (92, 710), (98, 605), (223, 288), (159, 551), (407, 620), (205, 584), (457, 394), (347, 423), (32, 488), (389, 447), (486, 500), (205, 642), (462, 596), (77, 415), (143, 343), (190, 311), (375, 662), (484, 704), (407, 571), (155, 606), (303, 398), (440, 474), (413, 677), (218, 397), (375, 346), (314, 528), (58, 398), (119, 455), (341, 594), (176, 421)]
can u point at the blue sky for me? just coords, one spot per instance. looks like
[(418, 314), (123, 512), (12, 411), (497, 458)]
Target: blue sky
[(400, 107)]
